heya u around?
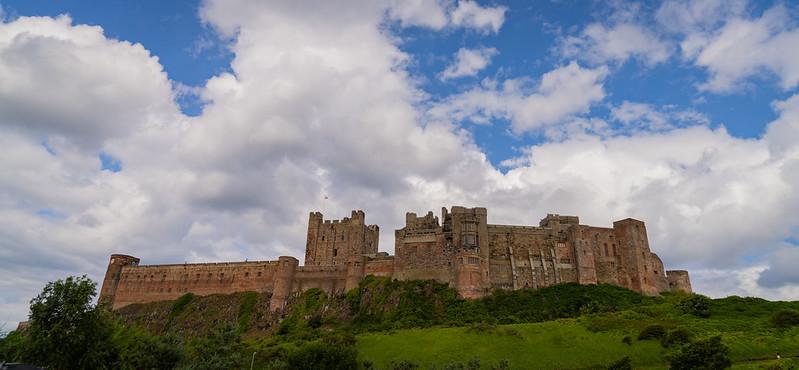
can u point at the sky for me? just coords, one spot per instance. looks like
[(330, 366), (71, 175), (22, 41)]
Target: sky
[(190, 131)]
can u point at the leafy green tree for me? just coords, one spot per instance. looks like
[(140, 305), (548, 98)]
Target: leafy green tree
[(676, 336), (12, 346), (708, 354), (696, 304), (221, 349), (331, 353), (140, 350), (66, 330), (654, 331), (785, 318)]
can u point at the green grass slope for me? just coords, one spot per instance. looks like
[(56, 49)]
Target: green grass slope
[(596, 340), (561, 344)]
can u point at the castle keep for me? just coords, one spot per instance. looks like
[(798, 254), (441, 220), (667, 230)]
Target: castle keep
[(461, 249)]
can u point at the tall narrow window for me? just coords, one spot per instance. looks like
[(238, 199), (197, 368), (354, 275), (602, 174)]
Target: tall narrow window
[(335, 252), (469, 234)]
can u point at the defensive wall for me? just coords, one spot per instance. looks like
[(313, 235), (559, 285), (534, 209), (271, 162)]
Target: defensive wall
[(461, 249)]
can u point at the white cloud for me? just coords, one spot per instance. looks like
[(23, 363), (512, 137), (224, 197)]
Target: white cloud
[(732, 47), (687, 16), (319, 102), (599, 43), (646, 117), (426, 13), (470, 14), (468, 62), (782, 268), (562, 93), (96, 88)]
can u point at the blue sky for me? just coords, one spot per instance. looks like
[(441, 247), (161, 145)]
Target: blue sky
[(206, 130), (191, 53)]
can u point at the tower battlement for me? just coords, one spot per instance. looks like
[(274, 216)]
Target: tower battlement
[(460, 248)]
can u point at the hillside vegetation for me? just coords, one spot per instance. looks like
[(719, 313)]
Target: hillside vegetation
[(389, 324)]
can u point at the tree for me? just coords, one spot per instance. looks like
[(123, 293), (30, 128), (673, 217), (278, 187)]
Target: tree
[(708, 354), (785, 318), (66, 330), (221, 349), (336, 352), (697, 305)]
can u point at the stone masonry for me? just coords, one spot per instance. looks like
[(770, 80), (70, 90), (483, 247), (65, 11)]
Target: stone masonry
[(461, 249)]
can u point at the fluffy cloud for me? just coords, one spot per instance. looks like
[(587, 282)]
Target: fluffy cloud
[(646, 117), (561, 93), (782, 269), (599, 43), (426, 13), (437, 14), (93, 88), (733, 47), (468, 62), (319, 102), (471, 14)]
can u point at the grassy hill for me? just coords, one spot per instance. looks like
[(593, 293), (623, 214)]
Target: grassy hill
[(401, 323)]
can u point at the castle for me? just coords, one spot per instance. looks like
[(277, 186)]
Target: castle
[(461, 249)]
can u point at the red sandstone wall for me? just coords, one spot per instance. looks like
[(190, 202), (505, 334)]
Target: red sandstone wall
[(327, 278), (149, 283), (380, 267), (422, 255)]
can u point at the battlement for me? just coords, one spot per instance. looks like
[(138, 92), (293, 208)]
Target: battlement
[(428, 221), (555, 219), (460, 249)]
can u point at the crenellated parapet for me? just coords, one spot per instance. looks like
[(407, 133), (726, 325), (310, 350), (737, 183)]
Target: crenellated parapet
[(459, 248)]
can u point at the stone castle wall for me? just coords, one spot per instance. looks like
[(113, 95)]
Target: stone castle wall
[(460, 249)]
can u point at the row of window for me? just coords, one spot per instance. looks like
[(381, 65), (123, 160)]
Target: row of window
[(221, 275)]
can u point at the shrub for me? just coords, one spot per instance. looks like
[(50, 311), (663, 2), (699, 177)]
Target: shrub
[(676, 336), (627, 340), (708, 354), (332, 353), (501, 365), (404, 365), (785, 318), (473, 364), (696, 304), (622, 364), (654, 331), (246, 308), (315, 321)]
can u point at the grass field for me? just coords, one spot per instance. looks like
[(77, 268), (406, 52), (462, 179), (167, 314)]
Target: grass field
[(569, 344), (561, 344)]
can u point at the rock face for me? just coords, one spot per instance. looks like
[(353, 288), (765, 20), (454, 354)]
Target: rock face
[(461, 249)]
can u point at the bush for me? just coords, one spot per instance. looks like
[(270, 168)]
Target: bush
[(654, 331), (177, 308), (404, 365), (627, 340), (246, 309), (331, 353), (785, 318), (708, 354), (473, 364), (315, 321), (221, 349), (501, 365), (696, 304), (623, 364), (676, 336)]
